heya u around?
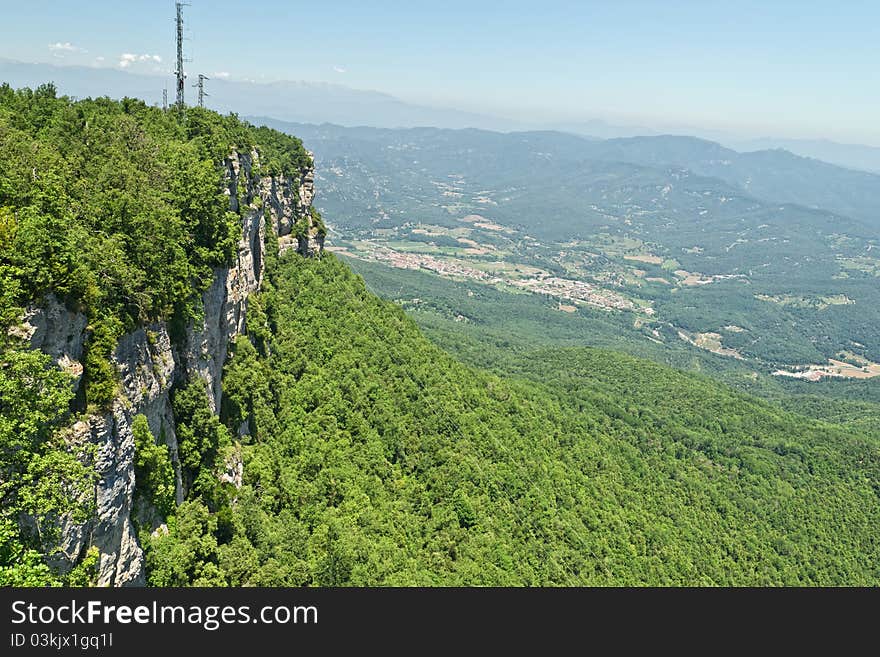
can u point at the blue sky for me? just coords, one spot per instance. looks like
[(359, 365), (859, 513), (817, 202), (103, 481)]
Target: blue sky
[(799, 69)]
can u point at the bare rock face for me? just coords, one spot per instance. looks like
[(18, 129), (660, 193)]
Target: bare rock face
[(288, 204), (112, 532), (56, 331), (310, 245), (149, 365), (146, 364), (225, 308), (225, 301), (306, 192), (74, 538), (233, 469), (287, 199), (281, 196)]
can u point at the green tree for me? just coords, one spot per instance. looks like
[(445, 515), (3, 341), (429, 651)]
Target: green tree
[(154, 473), (41, 479)]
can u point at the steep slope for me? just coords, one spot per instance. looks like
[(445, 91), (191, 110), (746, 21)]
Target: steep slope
[(369, 456)]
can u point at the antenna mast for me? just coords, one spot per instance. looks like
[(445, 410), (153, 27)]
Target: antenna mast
[(201, 85), (165, 100), (181, 76)]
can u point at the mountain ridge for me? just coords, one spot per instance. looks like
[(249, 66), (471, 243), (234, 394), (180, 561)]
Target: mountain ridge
[(768, 176), (293, 100), (326, 101)]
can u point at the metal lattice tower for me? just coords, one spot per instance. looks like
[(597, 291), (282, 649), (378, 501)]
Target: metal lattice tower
[(181, 76), (201, 86), (165, 100)]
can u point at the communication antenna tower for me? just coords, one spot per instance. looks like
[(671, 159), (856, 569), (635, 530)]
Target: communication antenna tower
[(181, 76), (201, 86)]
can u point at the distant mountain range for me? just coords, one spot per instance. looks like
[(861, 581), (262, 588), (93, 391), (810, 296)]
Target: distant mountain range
[(854, 156), (773, 176), (306, 102), (774, 253), (318, 102)]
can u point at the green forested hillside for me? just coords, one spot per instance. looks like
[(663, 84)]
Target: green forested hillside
[(117, 209), (375, 458), (371, 455), (484, 326)]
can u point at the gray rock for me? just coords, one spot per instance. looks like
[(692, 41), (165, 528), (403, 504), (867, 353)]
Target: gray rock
[(225, 308), (233, 469), (56, 331), (310, 246), (122, 560)]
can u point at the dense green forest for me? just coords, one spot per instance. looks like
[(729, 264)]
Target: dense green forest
[(371, 455)]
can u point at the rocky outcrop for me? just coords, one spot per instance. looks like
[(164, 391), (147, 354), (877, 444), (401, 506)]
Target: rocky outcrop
[(225, 301), (147, 367), (287, 199), (57, 331), (150, 364), (233, 468), (306, 192), (310, 242), (289, 209)]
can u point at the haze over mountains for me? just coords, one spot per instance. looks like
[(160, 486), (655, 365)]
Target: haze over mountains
[(854, 156), (318, 102), (306, 102), (775, 176)]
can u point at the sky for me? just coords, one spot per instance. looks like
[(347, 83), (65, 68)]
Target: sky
[(777, 68)]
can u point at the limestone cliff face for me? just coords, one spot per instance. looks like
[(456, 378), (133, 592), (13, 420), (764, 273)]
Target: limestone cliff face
[(147, 367), (150, 364), (58, 332), (304, 233), (225, 301)]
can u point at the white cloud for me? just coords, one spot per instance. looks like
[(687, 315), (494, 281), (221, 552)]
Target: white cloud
[(59, 47), (339, 69), (99, 59), (126, 59), (223, 75)]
